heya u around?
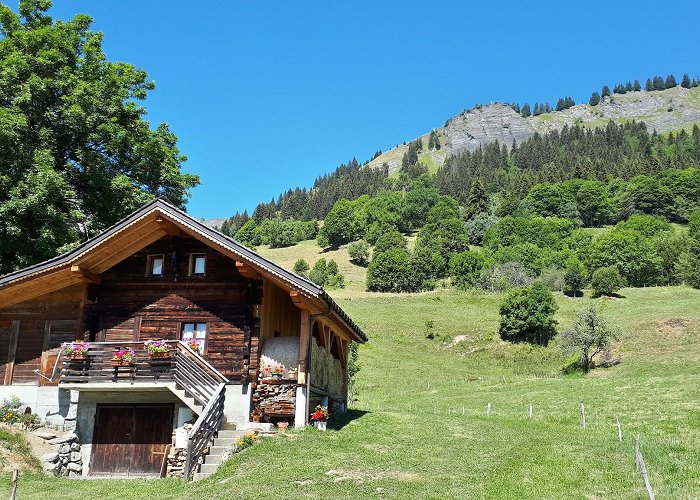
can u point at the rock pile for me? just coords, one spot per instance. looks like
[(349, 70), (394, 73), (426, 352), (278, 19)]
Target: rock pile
[(67, 459)]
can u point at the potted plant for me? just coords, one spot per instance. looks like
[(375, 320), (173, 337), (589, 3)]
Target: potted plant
[(157, 348), (194, 345), (320, 417), (266, 371), (123, 357), (292, 373), (78, 349), (257, 414), (278, 371), (282, 425)]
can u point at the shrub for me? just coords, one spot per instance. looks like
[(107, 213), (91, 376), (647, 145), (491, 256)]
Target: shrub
[(591, 334), (337, 226), (552, 278), (327, 274), (527, 315), (687, 269), (392, 271), (647, 225), (606, 281), (359, 253), (301, 267), (503, 277), (465, 268), (11, 412), (631, 253)]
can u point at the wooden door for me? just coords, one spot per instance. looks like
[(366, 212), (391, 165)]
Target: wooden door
[(130, 439)]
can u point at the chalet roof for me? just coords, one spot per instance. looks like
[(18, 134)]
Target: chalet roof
[(161, 207)]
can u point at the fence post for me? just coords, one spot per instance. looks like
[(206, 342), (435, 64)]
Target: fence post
[(529, 411), (488, 409), (641, 467), (13, 491), (583, 416), (619, 429)]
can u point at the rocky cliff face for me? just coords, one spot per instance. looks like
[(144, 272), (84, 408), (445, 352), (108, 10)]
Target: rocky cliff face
[(661, 110)]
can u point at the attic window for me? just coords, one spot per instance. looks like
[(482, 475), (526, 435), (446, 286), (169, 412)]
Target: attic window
[(198, 264), (154, 265)]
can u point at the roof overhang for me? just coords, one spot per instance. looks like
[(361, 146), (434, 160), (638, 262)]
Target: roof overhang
[(148, 224)]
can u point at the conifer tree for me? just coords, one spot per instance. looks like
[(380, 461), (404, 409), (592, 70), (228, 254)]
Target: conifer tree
[(628, 86), (478, 200), (670, 82), (659, 83), (605, 91), (595, 99), (526, 110), (636, 87), (649, 86), (536, 110), (685, 83)]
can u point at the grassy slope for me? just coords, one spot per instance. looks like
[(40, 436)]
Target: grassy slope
[(407, 436)]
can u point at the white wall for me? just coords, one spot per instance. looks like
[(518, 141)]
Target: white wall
[(237, 404)]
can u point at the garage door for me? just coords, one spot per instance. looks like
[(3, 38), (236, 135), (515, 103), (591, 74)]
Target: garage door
[(130, 439)]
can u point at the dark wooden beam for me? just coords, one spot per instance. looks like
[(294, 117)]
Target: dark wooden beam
[(168, 227), (86, 275)]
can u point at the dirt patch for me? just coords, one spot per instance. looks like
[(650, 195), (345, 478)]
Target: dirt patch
[(673, 326), (359, 476)]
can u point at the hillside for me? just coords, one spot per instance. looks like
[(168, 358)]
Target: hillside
[(418, 428), (661, 110)]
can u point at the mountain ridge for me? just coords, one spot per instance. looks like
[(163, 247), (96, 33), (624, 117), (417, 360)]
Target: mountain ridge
[(660, 110)]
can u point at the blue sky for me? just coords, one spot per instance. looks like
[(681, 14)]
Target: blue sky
[(268, 95)]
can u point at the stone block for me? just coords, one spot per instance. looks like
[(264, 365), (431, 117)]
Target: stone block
[(66, 438), (64, 448), (74, 474), (49, 457), (75, 456), (75, 447), (44, 434), (75, 467)]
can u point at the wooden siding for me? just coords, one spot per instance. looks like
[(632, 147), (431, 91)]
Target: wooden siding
[(278, 313), (130, 305)]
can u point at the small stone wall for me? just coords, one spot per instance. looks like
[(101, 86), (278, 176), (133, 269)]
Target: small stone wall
[(67, 459), (176, 462)]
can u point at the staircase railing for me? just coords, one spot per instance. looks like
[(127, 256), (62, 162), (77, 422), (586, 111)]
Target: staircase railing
[(203, 430)]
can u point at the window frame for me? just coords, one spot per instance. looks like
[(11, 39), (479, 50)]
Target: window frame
[(150, 259), (205, 343), (193, 262)]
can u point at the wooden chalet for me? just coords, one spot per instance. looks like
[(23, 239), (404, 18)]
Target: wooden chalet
[(159, 274)]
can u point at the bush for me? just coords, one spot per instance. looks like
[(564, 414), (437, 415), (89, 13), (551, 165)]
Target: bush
[(337, 226), (301, 267), (11, 412), (552, 278), (327, 274), (465, 268), (527, 315), (359, 253), (392, 271), (606, 281), (504, 277)]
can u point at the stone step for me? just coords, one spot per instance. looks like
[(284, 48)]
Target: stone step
[(200, 475), (213, 459), (228, 426), (226, 433), (228, 442), (209, 468), (218, 450)]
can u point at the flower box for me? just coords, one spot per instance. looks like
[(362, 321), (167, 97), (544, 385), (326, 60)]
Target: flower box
[(160, 355)]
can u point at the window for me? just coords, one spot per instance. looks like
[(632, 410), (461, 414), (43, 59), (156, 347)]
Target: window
[(154, 265), (198, 264), (195, 332)]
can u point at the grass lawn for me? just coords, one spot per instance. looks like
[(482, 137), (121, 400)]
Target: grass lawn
[(419, 429)]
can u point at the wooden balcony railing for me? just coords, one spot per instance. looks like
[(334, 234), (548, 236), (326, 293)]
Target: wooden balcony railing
[(183, 367)]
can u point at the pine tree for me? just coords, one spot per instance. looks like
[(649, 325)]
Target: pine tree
[(536, 110), (670, 82), (636, 87), (547, 107), (560, 104), (478, 200), (659, 83), (526, 110), (649, 86), (685, 83), (628, 86), (605, 91), (595, 99)]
